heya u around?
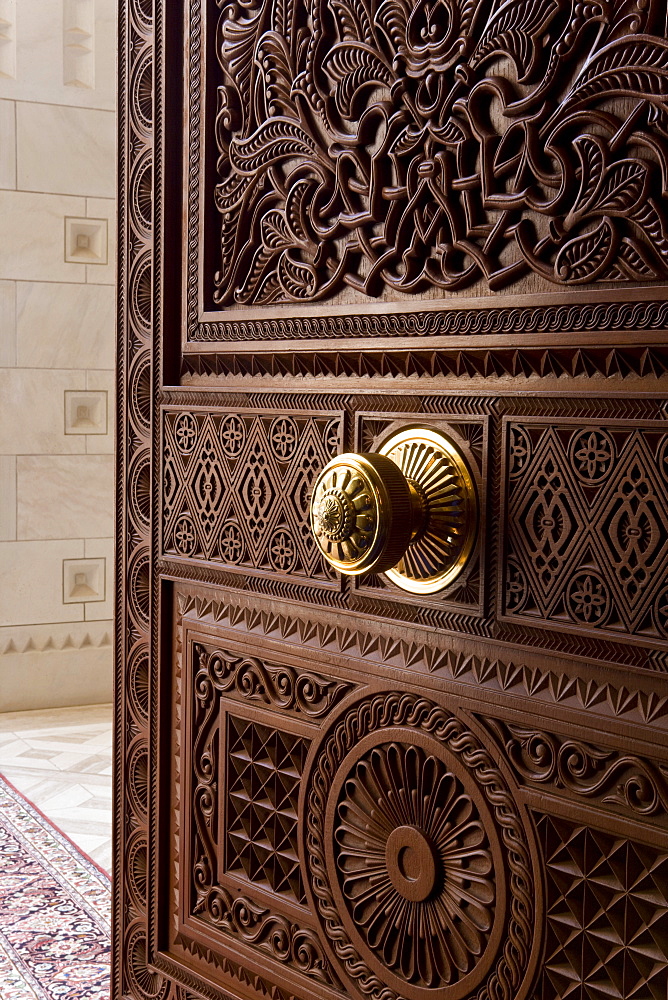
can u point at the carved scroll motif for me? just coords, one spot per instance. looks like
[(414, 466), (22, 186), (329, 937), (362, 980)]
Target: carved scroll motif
[(258, 926), (392, 146), (283, 687), (259, 767), (592, 772)]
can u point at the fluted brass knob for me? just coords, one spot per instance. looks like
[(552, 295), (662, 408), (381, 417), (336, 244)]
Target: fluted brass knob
[(364, 513), (409, 511)]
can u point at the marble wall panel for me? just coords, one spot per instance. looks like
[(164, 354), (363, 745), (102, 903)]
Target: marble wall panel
[(31, 588), (65, 150), (7, 497), (32, 244), (33, 412), (7, 324), (7, 144), (57, 344), (64, 496), (42, 32), (65, 325)]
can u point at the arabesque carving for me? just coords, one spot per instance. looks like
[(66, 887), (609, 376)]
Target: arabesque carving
[(280, 686), (610, 776), (256, 925), (390, 146)]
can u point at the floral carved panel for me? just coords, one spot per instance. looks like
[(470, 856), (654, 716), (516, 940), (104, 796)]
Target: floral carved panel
[(397, 148)]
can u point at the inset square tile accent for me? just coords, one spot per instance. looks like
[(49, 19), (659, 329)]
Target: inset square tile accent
[(86, 241), (84, 580), (85, 412)]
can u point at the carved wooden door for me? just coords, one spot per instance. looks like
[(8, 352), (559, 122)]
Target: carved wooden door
[(342, 221)]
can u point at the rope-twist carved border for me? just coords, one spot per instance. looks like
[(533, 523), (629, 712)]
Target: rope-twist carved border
[(563, 319)]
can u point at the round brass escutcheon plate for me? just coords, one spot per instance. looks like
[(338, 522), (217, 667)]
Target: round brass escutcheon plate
[(409, 510), (436, 468)]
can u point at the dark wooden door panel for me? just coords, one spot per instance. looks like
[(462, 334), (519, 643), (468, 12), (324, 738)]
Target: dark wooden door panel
[(340, 220), (418, 794)]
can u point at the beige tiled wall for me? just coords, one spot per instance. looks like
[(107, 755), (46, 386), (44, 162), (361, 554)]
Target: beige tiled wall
[(57, 275)]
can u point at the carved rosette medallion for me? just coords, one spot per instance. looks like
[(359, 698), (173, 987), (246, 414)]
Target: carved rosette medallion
[(336, 516), (417, 856)]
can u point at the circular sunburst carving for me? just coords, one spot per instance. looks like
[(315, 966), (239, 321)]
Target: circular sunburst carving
[(141, 93), (136, 869), (146, 984), (141, 192), (141, 291), (137, 778), (417, 857), (138, 682), (140, 392), (415, 865), (139, 489), (139, 593)]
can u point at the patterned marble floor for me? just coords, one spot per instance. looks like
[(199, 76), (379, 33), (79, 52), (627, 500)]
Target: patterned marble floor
[(60, 759)]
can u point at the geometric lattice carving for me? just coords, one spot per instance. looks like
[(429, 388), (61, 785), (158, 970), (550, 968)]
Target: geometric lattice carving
[(587, 528), (607, 916), (264, 768), (378, 149), (236, 488)]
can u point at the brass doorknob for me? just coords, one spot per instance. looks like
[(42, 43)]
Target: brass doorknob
[(409, 510)]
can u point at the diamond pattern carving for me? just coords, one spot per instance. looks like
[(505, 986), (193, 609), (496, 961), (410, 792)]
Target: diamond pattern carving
[(632, 526), (237, 486), (207, 489), (549, 518), (607, 916), (264, 768), (587, 526)]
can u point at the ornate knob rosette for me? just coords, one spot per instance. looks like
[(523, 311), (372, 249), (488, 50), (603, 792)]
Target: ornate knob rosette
[(409, 511), (363, 513)]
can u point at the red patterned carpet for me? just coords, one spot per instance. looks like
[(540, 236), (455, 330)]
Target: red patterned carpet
[(55, 908)]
